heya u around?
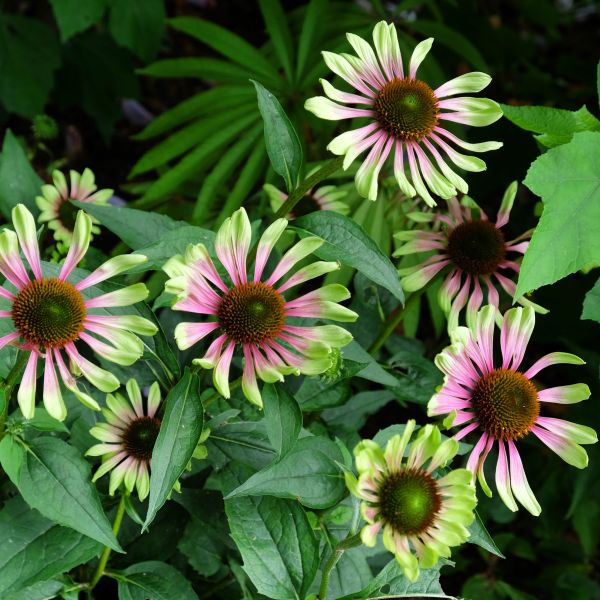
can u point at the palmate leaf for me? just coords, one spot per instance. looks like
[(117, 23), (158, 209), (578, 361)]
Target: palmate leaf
[(309, 36), (279, 32)]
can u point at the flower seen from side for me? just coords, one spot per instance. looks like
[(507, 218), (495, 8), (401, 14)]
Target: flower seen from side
[(499, 401), (405, 117), (327, 197), (48, 316), (127, 438), (55, 203), (421, 515), (250, 311), (472, 251)]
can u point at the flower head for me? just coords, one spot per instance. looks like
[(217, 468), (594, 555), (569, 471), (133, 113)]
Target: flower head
[(128, 438), (421, 515), (56, 206), (502, 404), (472, 251), (251, 311), (405, 117), (49, 315), (327, 197)]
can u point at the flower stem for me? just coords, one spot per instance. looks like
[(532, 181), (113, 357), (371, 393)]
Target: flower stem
[(6, 388), (106, 552), (345, 544), (325, 171), (394, 321)]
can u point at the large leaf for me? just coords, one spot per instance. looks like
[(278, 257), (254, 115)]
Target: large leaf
[(277, 544), (74, 16), (55, 480), (568, 180), (283, 418), (154, 580), (29, 54), (177, 439), (33, 549), (19, 183), (281, 139), (347, 242), (308, 472), (350, 574)]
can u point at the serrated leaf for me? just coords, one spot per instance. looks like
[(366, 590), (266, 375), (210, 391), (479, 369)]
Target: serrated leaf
[(74, 16), (277, 544), (347, 242), (177, 439), (282, 417), (154, 580), (19, 183), (33, 549), (281, 139), (55, 480), (308, 473), (568, 180)]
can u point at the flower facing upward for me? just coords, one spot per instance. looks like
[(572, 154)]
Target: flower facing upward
[(48, 315), (252, 312), (502, 404), (405, 117), (421, 516), (128, 438), (55, 202), (472, 250)]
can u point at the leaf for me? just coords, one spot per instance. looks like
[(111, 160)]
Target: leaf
[(417, 377), (350, 574), (42, 590), (283, 418), (33, 549), (201, 548), (281, 139), (279, 32), (277, 544), (154, 580), (309, 36), (12, 457), (29, 55), (74, 16), (42, 421), (307, 473), (353, 415), (347, 242), (481, 537), (591, 304), (198, 68), (55, 480), (19, 183), (138, 25), (568, 180), (177, 439)]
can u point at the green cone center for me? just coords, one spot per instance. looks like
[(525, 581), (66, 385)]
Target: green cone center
[(409, 501), (477, 247), (406, 108), (140, 437), (506, 404), (49, 313), (252, 313)]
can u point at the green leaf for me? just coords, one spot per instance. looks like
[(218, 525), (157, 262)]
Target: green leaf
[(568, 180), (277, 544), (228, 44), (591, 304), (350, 574), (55, 480), (481, 537), (19, 183), (281, 139), (177, 439), (138, 25), (598, 82), (353, 415), (12, 457), (203, 551), (308, 473), (42, 590), (283, 418), (417, 377), (74, 16), (29, 55), (198, 68), (309, 36), (154, 580), (33, 549), (42, 421), (279, 32), (347, 242)]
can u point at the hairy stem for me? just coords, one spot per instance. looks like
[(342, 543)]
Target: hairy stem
[(350, 542)]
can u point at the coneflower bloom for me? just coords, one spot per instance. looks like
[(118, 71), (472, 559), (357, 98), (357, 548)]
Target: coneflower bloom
[(327, 197), (473, 252), (50, 314), (421, 515), (250, 311), (56, 206), (501, 403), (128, 437), (405, 117)]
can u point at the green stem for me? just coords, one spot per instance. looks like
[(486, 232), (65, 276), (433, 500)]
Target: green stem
[(7, 386), (345, 544), (106, 552), (395, 321), (325, 171)]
